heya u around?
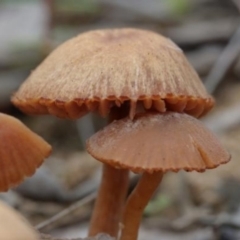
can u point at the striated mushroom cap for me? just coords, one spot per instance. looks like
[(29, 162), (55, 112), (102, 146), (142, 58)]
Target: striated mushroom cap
[(21, 152), (13, 226), (158, 142), (100, 69)]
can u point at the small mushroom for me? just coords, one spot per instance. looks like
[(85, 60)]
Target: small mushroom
[(13, 226), (114, 72), (153, 144), (21, 152)]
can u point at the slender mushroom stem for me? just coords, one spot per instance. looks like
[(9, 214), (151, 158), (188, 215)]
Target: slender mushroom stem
[(109, 204), (136, 203), (112, 194)]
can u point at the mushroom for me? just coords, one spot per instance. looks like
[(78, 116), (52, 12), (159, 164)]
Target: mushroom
[(115, 73), (14, 227), (153, 144), (21, 152), (99, 69)]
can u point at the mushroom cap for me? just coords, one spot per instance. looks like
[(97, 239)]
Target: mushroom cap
[(13, 226), (158, 142), (21, 152), (100, 69)]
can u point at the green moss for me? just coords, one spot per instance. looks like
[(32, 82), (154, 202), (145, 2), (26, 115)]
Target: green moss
[(179, 7), (158, 204)]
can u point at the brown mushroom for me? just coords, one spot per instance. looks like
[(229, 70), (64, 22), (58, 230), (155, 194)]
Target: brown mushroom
[(152, 144), (115, 72), (21, 152), (14, 227), (99, 69)]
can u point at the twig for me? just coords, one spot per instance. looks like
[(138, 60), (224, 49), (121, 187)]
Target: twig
[(226, 59), (224, 62), (66, 211)]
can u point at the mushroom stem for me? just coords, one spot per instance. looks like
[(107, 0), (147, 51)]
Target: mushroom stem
[(136, 203), (109, 204), (112, 194)]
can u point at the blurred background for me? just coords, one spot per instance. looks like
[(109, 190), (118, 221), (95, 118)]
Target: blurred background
[(196, 206)]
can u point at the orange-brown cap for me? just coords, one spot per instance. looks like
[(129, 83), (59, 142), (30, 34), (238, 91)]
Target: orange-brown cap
[(99, 69), (158, 142), (21, 152), (14, 227)]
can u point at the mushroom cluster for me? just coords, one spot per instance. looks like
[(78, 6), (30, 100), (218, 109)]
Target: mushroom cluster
[(151, 95), (153, 144)]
